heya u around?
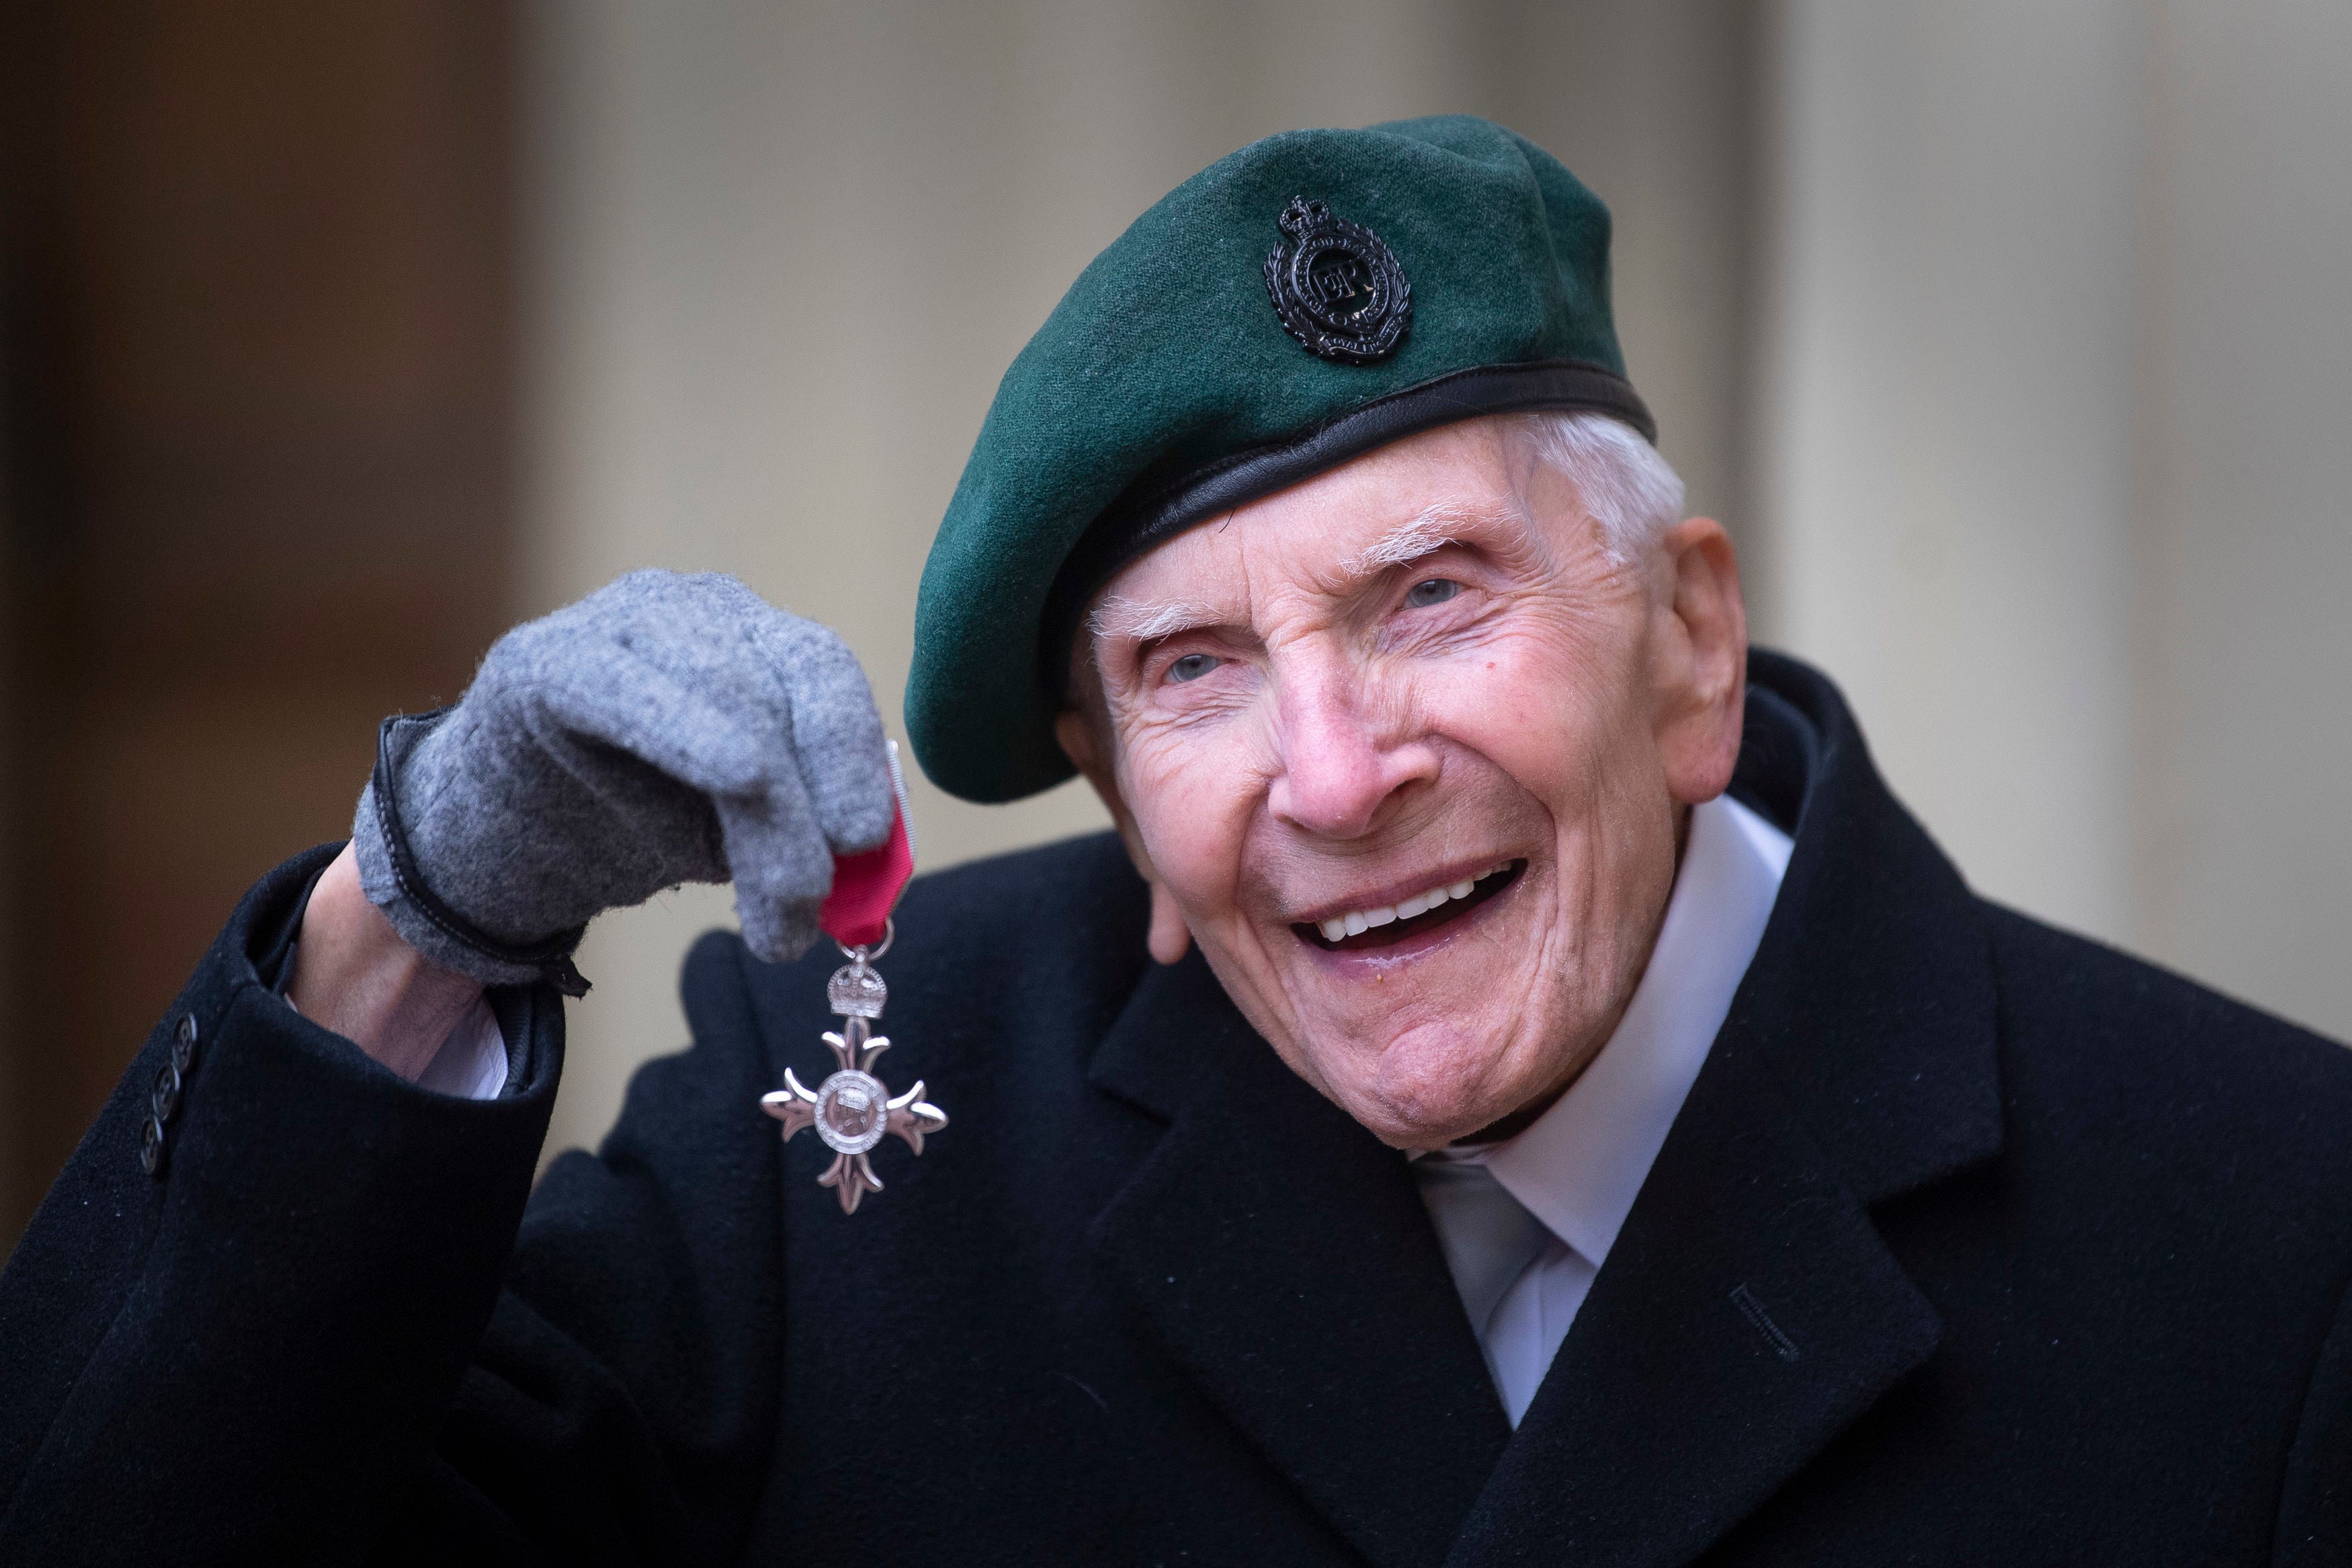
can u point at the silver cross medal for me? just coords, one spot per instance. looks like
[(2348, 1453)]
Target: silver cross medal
[(851, 1110)]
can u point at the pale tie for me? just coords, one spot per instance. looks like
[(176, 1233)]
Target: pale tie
[(1488, 1237)]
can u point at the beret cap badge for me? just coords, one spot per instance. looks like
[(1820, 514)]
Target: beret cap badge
[(1338, 289)]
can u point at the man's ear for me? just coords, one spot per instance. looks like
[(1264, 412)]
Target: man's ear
[(1700, 659), (1082, 743)]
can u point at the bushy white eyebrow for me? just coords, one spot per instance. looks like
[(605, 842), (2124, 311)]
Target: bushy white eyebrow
[(1118, 617), (1435, 527)]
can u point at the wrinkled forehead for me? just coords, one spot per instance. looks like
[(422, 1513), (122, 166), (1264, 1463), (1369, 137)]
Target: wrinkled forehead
[(1328, 535)]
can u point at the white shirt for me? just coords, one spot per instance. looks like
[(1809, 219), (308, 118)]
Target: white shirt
[(470, 1062), (1580, 1166)]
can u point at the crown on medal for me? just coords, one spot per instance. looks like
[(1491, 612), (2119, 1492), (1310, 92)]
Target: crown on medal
[(856, 991)]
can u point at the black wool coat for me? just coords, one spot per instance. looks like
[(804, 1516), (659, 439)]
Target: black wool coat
[(1974, 1243)]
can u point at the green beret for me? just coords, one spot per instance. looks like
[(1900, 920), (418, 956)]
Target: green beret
[(1314, 296)]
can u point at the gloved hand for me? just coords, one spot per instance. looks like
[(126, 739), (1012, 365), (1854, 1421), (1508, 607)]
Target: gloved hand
[(663, 729)]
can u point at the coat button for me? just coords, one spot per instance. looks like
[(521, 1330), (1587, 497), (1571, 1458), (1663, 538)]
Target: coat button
[(151, 1148), (184, 1042), (165, 1099)]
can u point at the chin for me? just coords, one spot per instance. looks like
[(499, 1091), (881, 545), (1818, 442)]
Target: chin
[(1423, 1093)]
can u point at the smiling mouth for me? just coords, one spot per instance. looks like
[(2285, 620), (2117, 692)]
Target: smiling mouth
[(1386, 927)]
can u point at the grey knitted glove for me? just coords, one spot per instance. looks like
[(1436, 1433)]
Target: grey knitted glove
[(663, 729)]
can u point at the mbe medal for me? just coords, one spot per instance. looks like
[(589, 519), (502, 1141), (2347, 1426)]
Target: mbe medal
[(853, 1111)]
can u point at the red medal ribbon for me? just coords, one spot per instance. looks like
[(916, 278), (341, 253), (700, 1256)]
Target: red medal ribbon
[(866, 885)]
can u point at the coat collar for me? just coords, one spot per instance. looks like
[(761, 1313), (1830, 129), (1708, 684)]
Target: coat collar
[(1282, 1254), (1872, 993), (1750, 1312)]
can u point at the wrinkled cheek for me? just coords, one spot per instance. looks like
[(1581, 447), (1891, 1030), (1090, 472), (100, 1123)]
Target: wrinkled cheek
[(1155, 797), (1193, 824), (1193, 795), (1195, 866)]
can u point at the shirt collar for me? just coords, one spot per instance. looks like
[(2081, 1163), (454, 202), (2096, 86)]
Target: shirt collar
[(1580, 1166)]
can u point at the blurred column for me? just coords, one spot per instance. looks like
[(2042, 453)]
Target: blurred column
[(1945, 416), (257, 428), (2051, 427), (2243, 645)]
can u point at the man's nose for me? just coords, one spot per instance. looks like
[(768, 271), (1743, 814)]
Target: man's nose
[(1349, 751)]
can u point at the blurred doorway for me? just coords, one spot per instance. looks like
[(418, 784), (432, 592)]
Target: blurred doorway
[(259, 446)]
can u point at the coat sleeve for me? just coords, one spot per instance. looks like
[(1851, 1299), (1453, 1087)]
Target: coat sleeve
[(623, 1406), (2315, 1528), (321, 1329)]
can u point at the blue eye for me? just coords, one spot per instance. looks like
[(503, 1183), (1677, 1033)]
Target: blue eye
[(1437, 590), (1193, 666)]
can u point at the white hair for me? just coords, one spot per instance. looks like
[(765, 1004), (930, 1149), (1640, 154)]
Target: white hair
[(1628, 489), (1118, 616), (1433, 529)]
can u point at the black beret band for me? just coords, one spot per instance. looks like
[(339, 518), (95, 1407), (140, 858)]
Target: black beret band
[(1156, 509)]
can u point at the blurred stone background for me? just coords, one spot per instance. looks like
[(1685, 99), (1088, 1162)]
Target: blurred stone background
[(2010, 341)]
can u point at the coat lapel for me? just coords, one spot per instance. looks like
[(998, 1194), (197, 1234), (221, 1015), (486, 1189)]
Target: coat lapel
[(1747, 1313), (1283, 1256), (1750, 1311)]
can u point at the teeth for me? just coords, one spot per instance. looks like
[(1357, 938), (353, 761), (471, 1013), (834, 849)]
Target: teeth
[(1356, 921)]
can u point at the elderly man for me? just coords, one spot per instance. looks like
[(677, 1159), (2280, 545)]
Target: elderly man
[(1515, 1088)]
